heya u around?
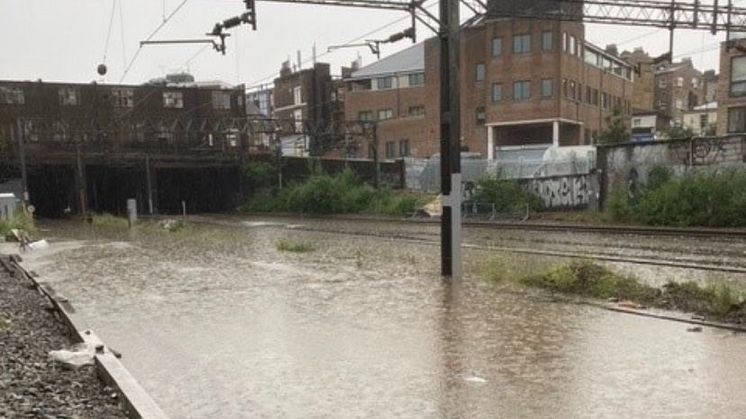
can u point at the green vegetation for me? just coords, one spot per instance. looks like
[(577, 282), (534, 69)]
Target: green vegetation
[(259, 176), (505, 194), (344, 193), (294, 246), (587, 279), (678, 133), (699, 199), (3, 323), (19, 221), (109, 221), (617, 130)]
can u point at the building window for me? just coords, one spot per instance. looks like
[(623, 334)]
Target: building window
[(737, 119), (497, 92), (404, 148), (480, 72), (390, 149), (385, 83), (371, 151), (547, 88), (636, 122), (588, 95), (738, 76), (662, 105), (573, 45), (173, 100), (604, 100), (594, 97), (297, 95), (416, 110), (522, 43), (298, 119), (365, 116), (703, 121), (69, 96), (679, 104), (384, 114), (417, 79), (221, 100), (12, 96), (679, 82), (547, 41), (662, 82), (497, 47), (480, 116), (572, 91), (564, 41), (695, 82), (123, 98), (522, 90)]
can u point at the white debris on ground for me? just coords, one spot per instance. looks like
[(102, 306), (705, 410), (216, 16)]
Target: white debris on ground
[(78, 356)]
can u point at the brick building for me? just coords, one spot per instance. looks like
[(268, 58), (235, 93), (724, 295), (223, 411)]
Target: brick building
[(678, 88), (732, 87), (644, 67), (162, 113), (305, 96), (523, 82)]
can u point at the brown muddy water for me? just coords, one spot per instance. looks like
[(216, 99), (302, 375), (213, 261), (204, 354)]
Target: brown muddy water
[(215, 322)]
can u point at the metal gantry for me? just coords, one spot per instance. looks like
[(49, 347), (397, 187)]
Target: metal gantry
[(687, 14)]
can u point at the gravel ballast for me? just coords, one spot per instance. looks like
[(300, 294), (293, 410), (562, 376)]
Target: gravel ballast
[(32, 385)]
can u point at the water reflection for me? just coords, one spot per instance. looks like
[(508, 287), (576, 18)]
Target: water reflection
[(218, 323)]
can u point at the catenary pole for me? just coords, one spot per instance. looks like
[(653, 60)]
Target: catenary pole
[(450, 134)]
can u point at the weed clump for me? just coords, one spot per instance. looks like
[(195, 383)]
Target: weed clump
[(295, 246), (591, 280), (19, 221)]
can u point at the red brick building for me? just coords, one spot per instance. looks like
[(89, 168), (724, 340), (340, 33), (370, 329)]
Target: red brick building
[(523, 82), (731, 90)]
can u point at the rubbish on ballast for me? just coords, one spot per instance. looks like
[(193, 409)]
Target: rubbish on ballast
[(78, 356), (38, 245), (435, 207), (630, 304), (694, 329), (698, 317), (170, 224), (475, 379)]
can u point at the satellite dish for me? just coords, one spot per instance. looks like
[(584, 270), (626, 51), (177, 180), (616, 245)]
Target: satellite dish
[(101, 69)]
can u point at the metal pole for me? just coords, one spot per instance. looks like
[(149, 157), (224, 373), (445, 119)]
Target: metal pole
[(450, 134), (149, 182), (82, 184), (22, 157), (376, 159)]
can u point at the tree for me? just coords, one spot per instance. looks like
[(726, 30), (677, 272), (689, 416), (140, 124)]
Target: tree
[(678, 132), (616, 130)]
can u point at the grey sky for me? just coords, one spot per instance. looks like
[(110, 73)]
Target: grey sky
[(58, 40)]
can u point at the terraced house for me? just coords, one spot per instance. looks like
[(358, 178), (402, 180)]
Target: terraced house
[(524, 83)]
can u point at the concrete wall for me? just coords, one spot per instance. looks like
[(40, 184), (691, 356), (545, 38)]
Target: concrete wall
[(569, 192), (627, 165)]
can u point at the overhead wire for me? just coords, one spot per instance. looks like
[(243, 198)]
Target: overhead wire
[(260, 82), (152, 34), (108, 33)]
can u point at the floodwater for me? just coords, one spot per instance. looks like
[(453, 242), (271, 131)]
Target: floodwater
[(215, 322)]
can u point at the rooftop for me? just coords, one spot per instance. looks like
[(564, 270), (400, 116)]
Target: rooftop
[(410, 60)]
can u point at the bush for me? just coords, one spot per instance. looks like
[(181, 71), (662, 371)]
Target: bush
[(259, 176), (19, 221), (344, 193), (710, 200), (505, 194)]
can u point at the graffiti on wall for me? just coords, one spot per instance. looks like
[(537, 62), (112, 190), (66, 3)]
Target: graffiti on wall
[(708, 151), (562, 192)]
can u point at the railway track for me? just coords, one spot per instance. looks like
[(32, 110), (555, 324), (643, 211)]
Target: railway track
[(429, 238)]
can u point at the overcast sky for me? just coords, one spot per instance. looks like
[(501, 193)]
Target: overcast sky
[(64, 40)]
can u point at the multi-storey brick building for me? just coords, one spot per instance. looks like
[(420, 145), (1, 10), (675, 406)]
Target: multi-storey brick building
[(523, 82), (644, 66), (305, 96), (732, 87), (709, 86), (678, 88)]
